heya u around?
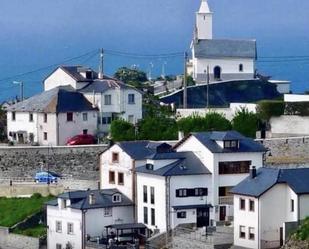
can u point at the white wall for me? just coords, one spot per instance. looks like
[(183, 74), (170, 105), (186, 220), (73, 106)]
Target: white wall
[(303, 206), (64, 215), (296, 97), (290, 124), (158, 182)]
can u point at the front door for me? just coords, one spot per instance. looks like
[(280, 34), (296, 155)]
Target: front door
[(222, 213), (202, 217)]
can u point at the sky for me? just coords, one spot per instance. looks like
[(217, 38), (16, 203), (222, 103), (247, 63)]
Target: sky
[(35, 33)]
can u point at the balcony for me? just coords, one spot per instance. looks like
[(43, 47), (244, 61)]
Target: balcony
[(226, 200)]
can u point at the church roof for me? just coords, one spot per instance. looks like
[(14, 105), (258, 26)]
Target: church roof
[(225, 48), (204, 7)]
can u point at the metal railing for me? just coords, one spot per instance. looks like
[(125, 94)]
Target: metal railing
[(226, 200)]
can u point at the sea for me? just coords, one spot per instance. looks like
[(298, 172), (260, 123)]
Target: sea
[(31, 62)]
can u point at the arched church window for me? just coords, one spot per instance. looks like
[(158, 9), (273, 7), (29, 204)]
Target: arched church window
[(241, 67), (217, 73)]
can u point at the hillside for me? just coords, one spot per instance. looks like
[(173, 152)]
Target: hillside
[(222, 94)]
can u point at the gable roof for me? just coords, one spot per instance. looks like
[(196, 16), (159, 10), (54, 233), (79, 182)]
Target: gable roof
[(56, 100), (188, 164), (296, 179), (208, 139), (225, 48), (103, 198), (139, 150)]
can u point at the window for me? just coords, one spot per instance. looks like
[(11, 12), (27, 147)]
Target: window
[(153, 217), (152, 195), (120, 179), (292, 205), (108, 212), (70, 228), (45, 118), (30, 117), (85, 132), (241, 67), (251, 205), (217, 73), (131, 98), (145, 194), (251, 233), (231, 144), (200, 191), (191, 192), (45, 135), (145, 215), (131, 119), (181, 215), (149, 166), (242, 204), (85, 116), (106, 120), (242, 232), (58, 227), (241, 167), (88, 75), (69, 116), (13, 116), (115, 157), (181, 193), (116, 198), (107, 99), (31, 137), (58, 246), (112, 177)]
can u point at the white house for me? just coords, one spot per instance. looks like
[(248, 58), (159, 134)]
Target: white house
[(51, 118), (113, 98), (118, 163), (268, 204), (191, 184), (75, 216), (219, 59)]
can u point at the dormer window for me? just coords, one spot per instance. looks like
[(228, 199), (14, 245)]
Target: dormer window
[(91, 199), (231, 144), (116, 198), (149, 166)]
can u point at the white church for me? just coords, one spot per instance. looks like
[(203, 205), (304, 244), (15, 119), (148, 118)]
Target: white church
[(215, 60)]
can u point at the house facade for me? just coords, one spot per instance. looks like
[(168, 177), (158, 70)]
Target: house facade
[(75, 216), (267, 203), (216, 60), (51, 118)]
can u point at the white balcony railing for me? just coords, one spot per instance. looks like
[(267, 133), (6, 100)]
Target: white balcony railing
[(226, 200)]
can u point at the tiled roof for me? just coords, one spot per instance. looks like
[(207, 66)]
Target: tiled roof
[(56, 100), (266, 178), (208, 139), (103, 198), (223, 48), (190, 164)]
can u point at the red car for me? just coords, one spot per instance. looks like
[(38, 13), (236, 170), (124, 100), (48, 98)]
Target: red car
[(81, 139)]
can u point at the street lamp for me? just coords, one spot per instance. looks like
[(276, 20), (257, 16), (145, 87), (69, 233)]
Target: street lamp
[(21, 85)]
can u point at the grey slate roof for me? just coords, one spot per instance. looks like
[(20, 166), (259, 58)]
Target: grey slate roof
[(56, 100), (266, 178), (223, 48), (103, 198), (208, 139), (139, 150), (100, 86), (189, 165)]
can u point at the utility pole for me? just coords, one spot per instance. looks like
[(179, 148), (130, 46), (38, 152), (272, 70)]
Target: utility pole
[(207, 80), (185, 95), (21, 89), (101, 65)]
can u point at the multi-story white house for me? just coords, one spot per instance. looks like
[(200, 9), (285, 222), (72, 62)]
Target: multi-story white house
[(267, 204), (113, 98), (51, 118), (219, 59), (191, 184), (75, 216), (118, 163)]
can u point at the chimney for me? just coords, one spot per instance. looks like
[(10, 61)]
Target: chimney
[(91, 199), (180, 135), (253, 172)]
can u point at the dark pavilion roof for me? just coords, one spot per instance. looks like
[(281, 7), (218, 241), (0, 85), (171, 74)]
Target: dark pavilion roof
[(296, 179)]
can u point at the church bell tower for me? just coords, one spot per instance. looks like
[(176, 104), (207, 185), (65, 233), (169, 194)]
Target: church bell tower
[(204, 22)]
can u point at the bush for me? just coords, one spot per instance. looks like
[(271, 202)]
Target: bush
[(303, 231), (210, 122), (122, 130), (297, 108), (270, 108), (246, 122)]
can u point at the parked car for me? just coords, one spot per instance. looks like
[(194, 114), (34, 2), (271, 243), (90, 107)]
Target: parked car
[(46, 176), (81, 139)]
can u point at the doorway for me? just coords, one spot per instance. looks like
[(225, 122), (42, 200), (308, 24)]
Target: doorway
[(217, 73), (202, 217), (222, 213)]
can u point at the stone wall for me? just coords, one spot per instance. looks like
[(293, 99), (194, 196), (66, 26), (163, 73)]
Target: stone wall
[(75, 162)]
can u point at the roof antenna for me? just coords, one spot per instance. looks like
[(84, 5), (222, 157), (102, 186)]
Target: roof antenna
[(101, 64)]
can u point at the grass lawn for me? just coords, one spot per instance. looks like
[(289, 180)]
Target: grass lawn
[(37, 231), (14, 210)]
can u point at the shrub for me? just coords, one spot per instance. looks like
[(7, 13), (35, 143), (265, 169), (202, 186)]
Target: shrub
[(246, 122), (122, 130), (270, 108), (297, 108)]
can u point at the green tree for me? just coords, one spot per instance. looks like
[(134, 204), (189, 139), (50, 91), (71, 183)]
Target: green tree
[(132, 77), (270, 108), (210, 122), (122, 130), (190, 81), (245, 122)]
